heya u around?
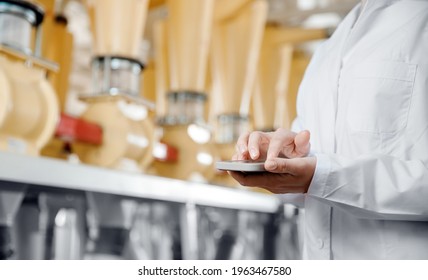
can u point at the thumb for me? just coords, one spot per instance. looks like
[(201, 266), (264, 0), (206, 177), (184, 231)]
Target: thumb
[(301, 143), (280, 165)]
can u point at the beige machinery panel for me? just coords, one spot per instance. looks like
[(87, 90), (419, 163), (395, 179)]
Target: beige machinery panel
[(225, 9), (271, 89), (123, 137), (5, 93), (195, 159), (279, 75), (117, 26), (161, 66), (57, 46), (182, 43), (189, 30), (235, 53), (32, 111)]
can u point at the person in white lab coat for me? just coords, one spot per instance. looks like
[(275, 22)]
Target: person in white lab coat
[(363, 107)]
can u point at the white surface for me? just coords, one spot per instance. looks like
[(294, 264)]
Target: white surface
[(60, 174)]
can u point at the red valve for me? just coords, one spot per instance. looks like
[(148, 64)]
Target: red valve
[(74, 129), (165, 153)]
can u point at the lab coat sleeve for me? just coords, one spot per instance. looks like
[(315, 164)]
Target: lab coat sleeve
[(373, 187)]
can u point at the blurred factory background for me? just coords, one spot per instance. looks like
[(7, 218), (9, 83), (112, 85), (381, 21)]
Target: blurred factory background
[(113, 113)]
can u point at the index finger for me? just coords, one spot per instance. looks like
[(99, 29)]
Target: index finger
[(257, 143), (242, 145), (282, 141)]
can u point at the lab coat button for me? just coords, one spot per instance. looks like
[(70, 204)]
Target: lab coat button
[(320, 243)]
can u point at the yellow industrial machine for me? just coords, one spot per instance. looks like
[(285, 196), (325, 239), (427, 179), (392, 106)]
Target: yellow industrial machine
[(58, 47), (115, 104), (236, 45), (127, 128), (182, 44), (29, 108), (271, 88), (275, 93)]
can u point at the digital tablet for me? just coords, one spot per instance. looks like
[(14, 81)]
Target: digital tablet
[(241, 165)]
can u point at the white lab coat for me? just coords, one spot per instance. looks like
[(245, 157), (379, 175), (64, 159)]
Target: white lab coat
[(364, 98)]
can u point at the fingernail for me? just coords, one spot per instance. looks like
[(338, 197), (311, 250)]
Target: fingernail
[(271, 165), (253, 153), (241, 149)]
